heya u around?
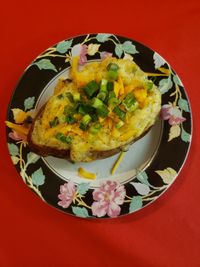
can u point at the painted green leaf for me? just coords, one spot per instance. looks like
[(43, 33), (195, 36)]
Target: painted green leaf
[(63, 46), (45, 64), (38, 177), (118, 50), (102, 37), (129, 48), (81, 212), (136, 204), (177, 80), (158, 60), (32, 157), (142, 189), (29, 103), (83, 188), (143, 178), (165, 85), (186, 137), (183, 104), (13, 149), (167, 175)]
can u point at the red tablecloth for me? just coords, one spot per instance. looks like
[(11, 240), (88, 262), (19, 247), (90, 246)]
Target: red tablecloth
[(166, 233)]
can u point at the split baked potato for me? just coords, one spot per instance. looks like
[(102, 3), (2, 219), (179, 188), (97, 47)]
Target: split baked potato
[(99, 110)]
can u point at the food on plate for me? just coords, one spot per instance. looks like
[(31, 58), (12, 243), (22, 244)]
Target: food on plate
[(96, 112)]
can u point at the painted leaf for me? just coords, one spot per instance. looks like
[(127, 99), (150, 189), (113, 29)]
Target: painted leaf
[(102, 37), (83, 188), (29, 103), (177, 80), (186, 137), (118, 50), (38, 177), (165, 85), (15, 160), (45, 64), (32, 157), (63, 46), (81, 212), (158, 60), (129, 48), (183, 104), (174, 132), (13, 149), (142, 189), (167, 175), (93, 49), (136, 204), (143, 178)]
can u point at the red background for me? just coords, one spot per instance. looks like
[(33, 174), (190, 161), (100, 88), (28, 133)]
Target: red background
[(166, 233)]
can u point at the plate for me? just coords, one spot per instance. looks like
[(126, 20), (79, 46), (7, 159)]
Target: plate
[(148, 168)]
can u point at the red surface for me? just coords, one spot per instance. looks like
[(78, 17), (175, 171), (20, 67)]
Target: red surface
[(166, 233)]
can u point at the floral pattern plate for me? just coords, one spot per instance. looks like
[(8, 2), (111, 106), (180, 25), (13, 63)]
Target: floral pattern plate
[(140, 179)]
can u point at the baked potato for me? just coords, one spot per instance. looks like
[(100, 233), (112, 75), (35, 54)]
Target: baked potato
[(95, 113)]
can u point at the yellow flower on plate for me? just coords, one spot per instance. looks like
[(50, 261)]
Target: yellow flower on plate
[(93, 49)]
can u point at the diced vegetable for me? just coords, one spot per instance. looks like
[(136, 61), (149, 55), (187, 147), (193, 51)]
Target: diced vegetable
[(102, 111), (63, 138), (69, 96), (96, 102), (85, 121), (149, 86), (119, 124), (54, 122), (112, 66), (130, 103), (76, 97), (112, 71), (91, 88), (120, 113), (70, 119), (110, 86), (84, 109), (95, 128), (102, 95), (103, 86), (112, 99)]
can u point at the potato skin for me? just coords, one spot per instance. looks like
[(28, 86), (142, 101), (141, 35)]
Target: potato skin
[(45, 151)]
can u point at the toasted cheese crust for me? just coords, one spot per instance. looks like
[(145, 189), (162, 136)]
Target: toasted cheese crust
[(83, 144)]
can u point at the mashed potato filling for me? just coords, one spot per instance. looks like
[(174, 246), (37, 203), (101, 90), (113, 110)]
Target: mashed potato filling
[(105, 105)]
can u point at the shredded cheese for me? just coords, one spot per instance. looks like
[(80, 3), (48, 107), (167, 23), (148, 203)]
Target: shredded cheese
[(116, 165), (85, 174)]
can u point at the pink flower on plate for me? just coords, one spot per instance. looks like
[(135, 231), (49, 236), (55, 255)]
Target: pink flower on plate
[(107, 198), (105, 54), (81, 51), (171, 113), (67, 194), (16, 136)]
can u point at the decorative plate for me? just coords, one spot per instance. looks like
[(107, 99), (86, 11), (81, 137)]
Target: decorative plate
[(148, 168)]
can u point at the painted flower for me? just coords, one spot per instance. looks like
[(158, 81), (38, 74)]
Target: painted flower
[(81, 51), (105, 54), (93, 49), (107, 198), (67, 194), (17, 136), (172, 114)]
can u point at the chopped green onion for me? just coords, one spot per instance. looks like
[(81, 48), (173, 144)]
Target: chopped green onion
[(62, 118), (149, 86), (54, 122), (102, 111), (69, 96), (119, 124), (96, 102), (112, 99), (63, 138), (94, 117), (112, 74), (110, 86), (120, 113), (76, 97), (103, 86), (91, 88), (112, 66), (84, 109), (130, 103), (60, 96), (95, 128), (85, 121), (70, 119), (102, 95)]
